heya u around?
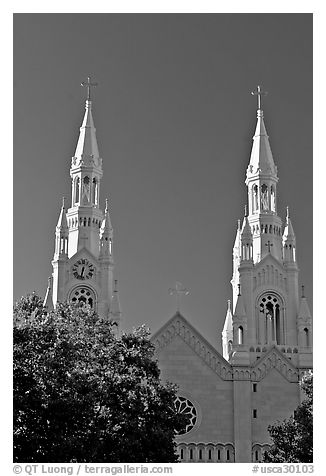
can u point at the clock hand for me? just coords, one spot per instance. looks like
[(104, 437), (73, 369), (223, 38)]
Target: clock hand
[(82, 272)]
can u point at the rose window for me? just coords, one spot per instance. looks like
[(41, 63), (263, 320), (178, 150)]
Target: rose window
[(83, 295), (184, 406)]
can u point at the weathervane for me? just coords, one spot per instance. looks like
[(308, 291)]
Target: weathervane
[(89, 85), (259, 93), (178, 291)]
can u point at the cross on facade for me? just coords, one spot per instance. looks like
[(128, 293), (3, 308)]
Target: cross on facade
[(89, 85), (259, 93), (269, 244), (178, 291)]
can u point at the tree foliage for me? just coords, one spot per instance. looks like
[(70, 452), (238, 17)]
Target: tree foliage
[(293, 438), (81, 394)]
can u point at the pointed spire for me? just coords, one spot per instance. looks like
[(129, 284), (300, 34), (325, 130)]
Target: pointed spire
[(246, 230), (261, 159), (288, 234), (304, 311), (48, 303), (62, 224), (228, 323), (87, 152), (237, 236), (239, 311), (106, 226)]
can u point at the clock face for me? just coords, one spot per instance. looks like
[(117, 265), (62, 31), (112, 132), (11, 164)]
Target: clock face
[(83, 269)]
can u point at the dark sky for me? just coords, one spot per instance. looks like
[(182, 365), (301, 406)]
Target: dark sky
[(175, 121)]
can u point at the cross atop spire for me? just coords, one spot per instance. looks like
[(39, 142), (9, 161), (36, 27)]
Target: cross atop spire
[(259, 93), (178, 291), (89, 85)]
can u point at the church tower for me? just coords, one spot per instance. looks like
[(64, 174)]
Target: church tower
[(83, 258), (267, 310)]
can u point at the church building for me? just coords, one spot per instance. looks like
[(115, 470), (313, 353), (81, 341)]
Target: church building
[(230, 399), (83, 254), (267, 336)]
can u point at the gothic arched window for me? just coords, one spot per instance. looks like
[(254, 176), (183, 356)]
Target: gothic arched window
[(77, 188), (83, 295), (306, 337), (95, 192), (86, 189), (271, 319), (254, 198), (273, 199), (264, 197), (240, 335)]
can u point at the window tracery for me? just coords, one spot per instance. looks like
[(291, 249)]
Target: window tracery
[(186, 407), (271, 320), (83, 295)]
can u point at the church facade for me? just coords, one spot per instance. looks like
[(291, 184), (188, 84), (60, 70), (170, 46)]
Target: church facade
[(231, 399), (267, 336)]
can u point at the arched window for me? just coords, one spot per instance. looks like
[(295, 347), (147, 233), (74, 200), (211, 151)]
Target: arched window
[(270, 320), (306, 337), (77, 188), (264, 197), (94, 192), (83, 295), (240, 335), (230, 346), (86, 190), (273, 202), (254, 198)]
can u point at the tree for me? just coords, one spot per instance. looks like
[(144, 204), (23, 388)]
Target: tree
[(293, 438), (81, 394)]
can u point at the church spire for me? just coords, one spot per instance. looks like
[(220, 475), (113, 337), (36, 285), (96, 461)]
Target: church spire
[(261, 180), (261, 160), (106, 234), (87, 152), (48, 303), (227, 333), (246, 239), (289, 241), (85, 216), (61, 234)]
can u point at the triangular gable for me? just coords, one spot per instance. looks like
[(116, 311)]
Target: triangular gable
[(178, 325), (83, 253), (267, 259), (270, 272), (274, 359)]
